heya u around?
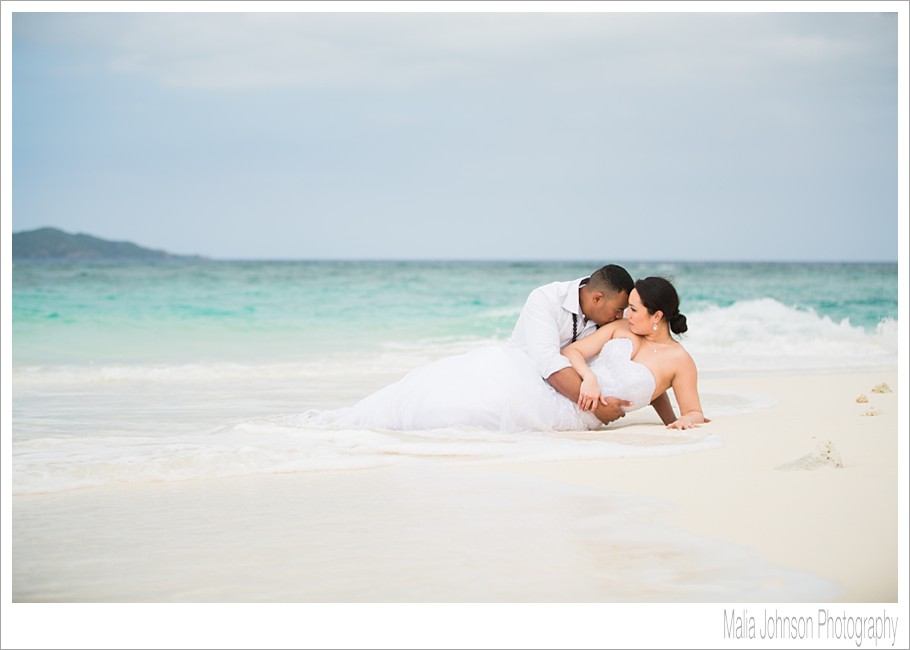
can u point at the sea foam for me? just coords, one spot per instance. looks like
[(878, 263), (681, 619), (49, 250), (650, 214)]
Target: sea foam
[(101, 424)]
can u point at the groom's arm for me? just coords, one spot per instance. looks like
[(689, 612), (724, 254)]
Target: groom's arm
[(537, 333), (567, 382)]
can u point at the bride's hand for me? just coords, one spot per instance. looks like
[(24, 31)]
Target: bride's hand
[(589, 394), (683, 423)]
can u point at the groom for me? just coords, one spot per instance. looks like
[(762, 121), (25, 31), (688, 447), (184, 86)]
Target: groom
[(559, 313)]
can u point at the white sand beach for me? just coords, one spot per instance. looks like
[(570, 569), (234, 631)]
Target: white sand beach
[(767, 517), (772, 488)]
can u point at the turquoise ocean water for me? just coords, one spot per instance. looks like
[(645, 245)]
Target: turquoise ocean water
[(136, 372), (129, 379), (264, 311)]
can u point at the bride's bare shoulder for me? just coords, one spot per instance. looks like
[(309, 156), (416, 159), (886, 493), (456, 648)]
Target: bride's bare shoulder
[(619, 328), (682, 356)]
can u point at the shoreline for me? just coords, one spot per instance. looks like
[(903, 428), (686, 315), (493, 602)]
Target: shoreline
[(765, 493)]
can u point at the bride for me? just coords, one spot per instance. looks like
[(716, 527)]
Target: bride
[(499, 388), (644, 338)]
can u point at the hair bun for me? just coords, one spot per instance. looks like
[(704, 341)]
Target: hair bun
[(678, 323)]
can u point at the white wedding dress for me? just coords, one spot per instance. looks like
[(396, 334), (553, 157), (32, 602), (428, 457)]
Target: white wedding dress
[(495, 388)]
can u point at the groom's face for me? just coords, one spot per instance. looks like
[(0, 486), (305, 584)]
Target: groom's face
[(606, 309)]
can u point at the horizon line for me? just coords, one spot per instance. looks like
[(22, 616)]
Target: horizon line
[(195, 257)]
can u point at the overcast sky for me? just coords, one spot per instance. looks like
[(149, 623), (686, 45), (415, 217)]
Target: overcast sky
[(471, 135)]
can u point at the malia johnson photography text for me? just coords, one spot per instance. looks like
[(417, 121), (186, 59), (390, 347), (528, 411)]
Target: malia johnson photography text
[(826, 625)]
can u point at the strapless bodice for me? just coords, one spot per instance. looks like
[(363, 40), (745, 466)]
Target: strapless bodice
[(619, 376)]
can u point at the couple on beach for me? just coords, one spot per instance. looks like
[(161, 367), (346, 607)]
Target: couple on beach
[(573, 362)]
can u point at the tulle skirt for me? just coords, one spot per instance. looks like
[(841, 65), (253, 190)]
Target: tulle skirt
[(492, 387)]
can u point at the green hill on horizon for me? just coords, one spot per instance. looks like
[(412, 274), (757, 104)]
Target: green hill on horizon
[(55, 244)]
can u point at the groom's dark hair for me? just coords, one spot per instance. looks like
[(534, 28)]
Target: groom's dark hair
[(611, 279)]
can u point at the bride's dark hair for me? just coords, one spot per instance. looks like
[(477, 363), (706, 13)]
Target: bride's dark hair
[(659, 294)]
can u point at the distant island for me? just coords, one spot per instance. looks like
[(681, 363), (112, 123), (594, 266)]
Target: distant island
[(55, 244)]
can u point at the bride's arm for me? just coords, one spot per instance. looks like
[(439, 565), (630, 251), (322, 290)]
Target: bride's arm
[(685, 388), (589, 395), (664, 408)]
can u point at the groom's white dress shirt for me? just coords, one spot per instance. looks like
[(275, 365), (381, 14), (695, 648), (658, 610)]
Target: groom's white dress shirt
[(544, 326)]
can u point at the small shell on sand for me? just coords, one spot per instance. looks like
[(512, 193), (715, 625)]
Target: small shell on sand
[(881, 388), (862, 399), (872, 411), (824, 455)]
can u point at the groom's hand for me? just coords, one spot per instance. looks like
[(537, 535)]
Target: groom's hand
[(567, 382), (610, 409)]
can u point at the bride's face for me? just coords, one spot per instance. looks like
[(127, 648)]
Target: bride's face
[(640, 321)]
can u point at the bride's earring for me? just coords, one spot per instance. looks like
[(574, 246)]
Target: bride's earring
[(655, 327)]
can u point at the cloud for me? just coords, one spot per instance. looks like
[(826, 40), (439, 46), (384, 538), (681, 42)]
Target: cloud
[(409, 122), (240, 51)]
